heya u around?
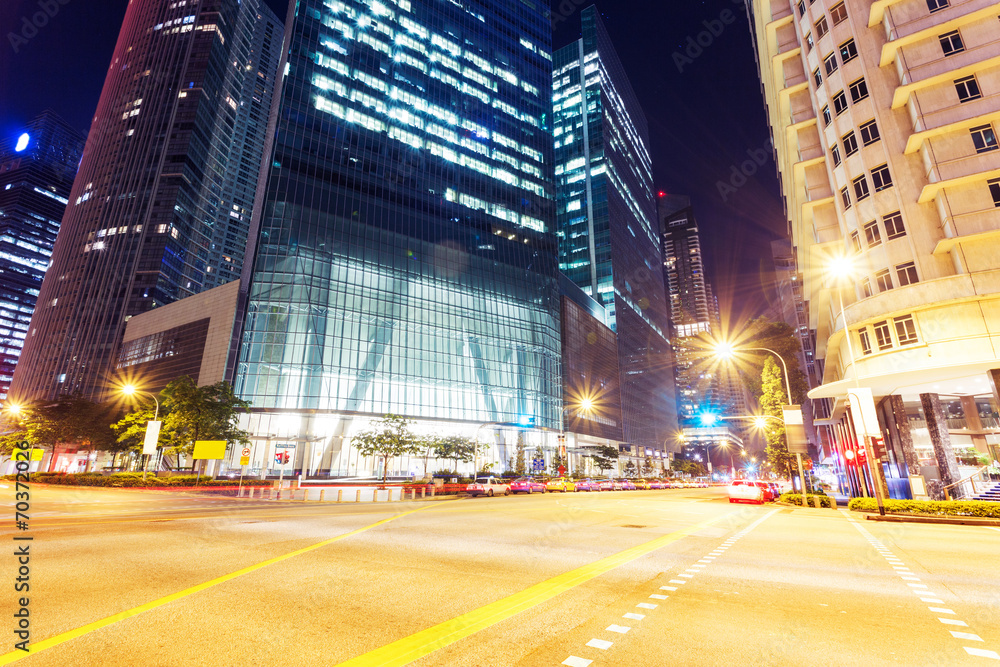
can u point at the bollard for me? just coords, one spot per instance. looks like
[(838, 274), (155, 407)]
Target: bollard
[(322, 494), (305, 495), (374, 495), (423, 493), (432, 491), (340, 495), (358, 499), (252, 489), (401, 492)]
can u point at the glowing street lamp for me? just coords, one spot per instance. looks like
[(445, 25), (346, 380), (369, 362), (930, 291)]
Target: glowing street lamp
[(152, 427)]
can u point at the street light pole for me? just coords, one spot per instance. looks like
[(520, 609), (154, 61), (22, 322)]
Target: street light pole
[(788, 397), (129, 390)]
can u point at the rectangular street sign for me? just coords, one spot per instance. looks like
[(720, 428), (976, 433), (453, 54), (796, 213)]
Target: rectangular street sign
[(244, 460), (795, 432), (209, 449), (37, 454), (152, 435)]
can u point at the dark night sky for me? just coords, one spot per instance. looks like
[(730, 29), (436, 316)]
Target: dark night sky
[(704, 116)]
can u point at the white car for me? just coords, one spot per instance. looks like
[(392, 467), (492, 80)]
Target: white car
[(488, 486), (745, 491)]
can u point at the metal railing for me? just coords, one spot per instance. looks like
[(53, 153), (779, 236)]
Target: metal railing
[(959, 489)]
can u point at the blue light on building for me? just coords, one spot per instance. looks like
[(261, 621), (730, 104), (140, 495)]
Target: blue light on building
[(22, 142)]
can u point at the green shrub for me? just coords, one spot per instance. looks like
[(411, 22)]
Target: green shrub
[(124, 480), (976, 508), (796, 499)]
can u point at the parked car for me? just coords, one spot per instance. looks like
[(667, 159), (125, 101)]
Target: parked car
[(642, 484), (745, 491), (628, 485), (488, 486), (587, 485), (610, 484), (562, 484), (775, 490), (656, 483), (527, 485)]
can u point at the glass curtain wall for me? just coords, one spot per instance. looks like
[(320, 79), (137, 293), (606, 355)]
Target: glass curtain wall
[(406, 262)]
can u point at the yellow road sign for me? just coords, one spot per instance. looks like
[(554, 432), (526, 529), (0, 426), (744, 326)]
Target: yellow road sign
[(209, 449)]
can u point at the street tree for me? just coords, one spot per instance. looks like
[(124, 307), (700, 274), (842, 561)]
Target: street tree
[(69, 420), (605, 458), (647, 466), (630, 468), (457, 448), (189, 413), (388, 437), (520, 466), (772, 397), (687, 466)]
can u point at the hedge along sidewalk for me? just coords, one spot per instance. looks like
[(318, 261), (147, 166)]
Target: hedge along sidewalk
[(970, 512), (134, 480), (825, 502)]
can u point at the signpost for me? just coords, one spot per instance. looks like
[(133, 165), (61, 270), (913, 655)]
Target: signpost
[(537, 464), (795, 437), (208, 449)]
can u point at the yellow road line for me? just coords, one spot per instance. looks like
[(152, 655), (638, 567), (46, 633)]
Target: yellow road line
[(51, 642), (416, 646)]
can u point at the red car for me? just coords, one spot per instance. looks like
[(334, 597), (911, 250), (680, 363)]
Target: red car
[(609, 484), (527, 485), (587, 485)]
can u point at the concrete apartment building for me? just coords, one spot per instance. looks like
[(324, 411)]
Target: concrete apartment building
[(884, 122)]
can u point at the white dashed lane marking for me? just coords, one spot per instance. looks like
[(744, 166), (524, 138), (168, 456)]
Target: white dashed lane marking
[(905, 574), (689, 573)]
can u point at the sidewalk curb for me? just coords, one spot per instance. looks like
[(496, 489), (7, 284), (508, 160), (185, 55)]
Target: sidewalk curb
[(918, 518)]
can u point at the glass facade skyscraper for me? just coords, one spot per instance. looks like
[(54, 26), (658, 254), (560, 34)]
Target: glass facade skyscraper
[(149, 201), (406, 258), (608, 232), (37, 166)]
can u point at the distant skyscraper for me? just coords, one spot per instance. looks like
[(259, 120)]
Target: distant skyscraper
[(406, 259), (150, 199), (683, 268), (701, 384), (37, 166), (608, 234)]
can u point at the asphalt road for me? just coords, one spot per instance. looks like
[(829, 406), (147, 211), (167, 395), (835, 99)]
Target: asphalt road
[(673, 577)]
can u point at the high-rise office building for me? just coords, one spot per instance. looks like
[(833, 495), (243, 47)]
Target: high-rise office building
[(260, 36), (690, 301), (608, 232), (37, 166), (406, 261), (149, 200), (884, 117)]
